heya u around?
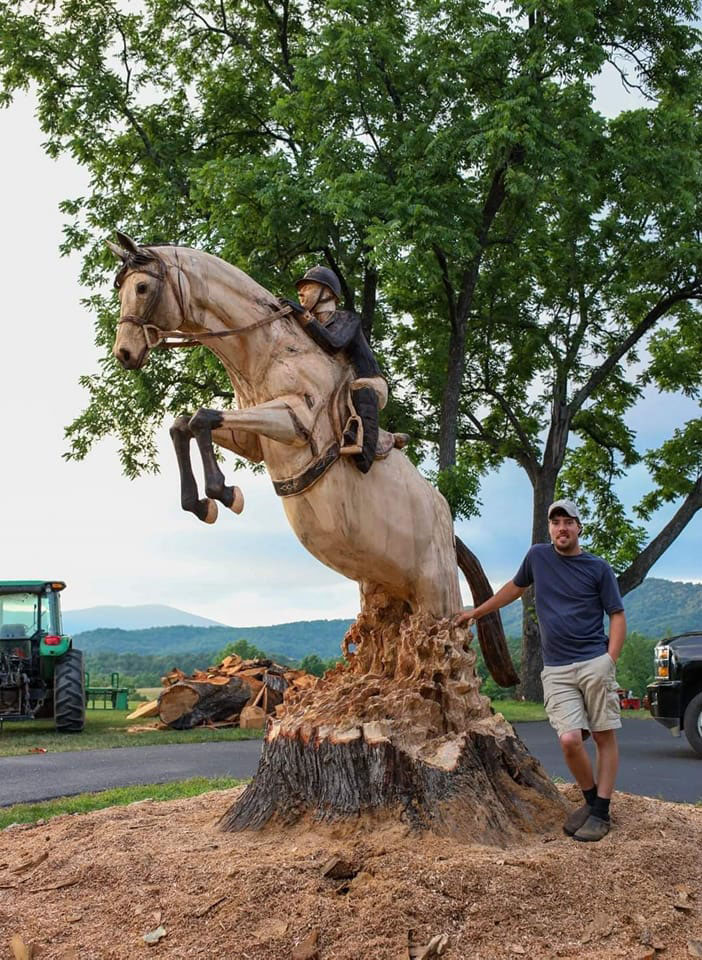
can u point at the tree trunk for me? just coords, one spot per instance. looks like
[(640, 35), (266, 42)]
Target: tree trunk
[(400, 731), (532, 663), (491, 634), (448, 425)]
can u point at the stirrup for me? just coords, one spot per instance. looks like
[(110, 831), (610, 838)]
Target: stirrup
[(353, 429)]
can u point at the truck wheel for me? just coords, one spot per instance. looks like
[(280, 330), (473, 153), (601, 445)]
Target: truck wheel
[(69, 693), (693, 723)]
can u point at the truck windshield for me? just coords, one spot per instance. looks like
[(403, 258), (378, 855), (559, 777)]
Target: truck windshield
[(23, 614)]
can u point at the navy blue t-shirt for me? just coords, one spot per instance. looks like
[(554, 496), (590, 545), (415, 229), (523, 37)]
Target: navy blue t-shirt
[(572, 594)]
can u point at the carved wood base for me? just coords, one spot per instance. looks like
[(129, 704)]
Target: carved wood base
[(401, 730)]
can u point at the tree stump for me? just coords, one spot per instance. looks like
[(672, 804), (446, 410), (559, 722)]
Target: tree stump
[(399, 730)]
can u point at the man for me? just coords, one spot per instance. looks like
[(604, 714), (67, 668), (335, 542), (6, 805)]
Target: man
[(573, 589), (339, 331)]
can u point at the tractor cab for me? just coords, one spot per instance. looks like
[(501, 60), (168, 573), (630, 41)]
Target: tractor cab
[(41, 674)]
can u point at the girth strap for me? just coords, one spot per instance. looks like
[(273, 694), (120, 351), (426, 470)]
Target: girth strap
[(304, 480)]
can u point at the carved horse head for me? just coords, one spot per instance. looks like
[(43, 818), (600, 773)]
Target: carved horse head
[(152, 300)]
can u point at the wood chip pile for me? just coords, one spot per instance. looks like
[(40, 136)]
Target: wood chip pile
[(236, 692)]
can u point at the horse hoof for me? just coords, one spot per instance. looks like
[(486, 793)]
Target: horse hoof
[(237, 504), (211, 514)]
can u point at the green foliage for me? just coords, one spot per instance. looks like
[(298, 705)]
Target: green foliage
[(316, 666), (525, 266), (635, 665), (240, 648)]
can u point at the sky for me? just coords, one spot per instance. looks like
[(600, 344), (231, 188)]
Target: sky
[(116, 541)]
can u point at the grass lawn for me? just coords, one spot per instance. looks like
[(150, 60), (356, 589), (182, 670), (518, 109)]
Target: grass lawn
[(522, 711), (104, 728), (519, 711), (108, 728), (120, 796)]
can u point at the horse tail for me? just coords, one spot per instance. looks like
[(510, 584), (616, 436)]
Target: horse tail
[(491, 633)]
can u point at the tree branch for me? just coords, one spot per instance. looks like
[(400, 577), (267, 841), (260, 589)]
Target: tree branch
[(529, 451), (600, 374), (346, 290), (636, 571), (446, 281)]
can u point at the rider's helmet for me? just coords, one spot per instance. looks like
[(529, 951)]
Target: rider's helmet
[(322, 275)]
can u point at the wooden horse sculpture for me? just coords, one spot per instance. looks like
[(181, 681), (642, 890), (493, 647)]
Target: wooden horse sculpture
[(401, 727), (390, 530)]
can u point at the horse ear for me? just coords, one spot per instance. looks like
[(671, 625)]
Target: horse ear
[(129, 245), (118, 251)]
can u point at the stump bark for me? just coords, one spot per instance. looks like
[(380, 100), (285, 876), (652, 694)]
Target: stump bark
[(400, 730)]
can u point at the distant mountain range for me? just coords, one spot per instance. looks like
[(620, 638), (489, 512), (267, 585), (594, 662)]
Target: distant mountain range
[(131, 618), (292, 640), (657, 608)]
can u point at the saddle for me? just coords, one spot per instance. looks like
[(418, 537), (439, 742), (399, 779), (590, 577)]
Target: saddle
[(348, 423)]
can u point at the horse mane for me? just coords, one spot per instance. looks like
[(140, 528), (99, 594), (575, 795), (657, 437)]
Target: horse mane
[(141, 258)]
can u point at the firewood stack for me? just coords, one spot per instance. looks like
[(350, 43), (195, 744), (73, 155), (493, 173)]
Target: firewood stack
[(234, 693)]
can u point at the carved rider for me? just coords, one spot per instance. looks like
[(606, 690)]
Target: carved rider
[(340, 331)]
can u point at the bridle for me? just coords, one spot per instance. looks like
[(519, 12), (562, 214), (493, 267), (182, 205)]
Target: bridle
[(158, 339)]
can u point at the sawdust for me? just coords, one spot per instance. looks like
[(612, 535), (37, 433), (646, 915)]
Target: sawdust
[(113, 876)]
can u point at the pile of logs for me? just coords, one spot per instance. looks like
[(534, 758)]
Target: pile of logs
[(234, 693)]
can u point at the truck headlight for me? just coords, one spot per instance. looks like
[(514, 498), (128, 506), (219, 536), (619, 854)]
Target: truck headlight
[(662, 661)]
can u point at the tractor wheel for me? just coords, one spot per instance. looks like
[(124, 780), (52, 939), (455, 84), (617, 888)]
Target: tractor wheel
[(69, 693), (693, 723)]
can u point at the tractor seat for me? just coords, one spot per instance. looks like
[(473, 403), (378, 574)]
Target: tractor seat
[(13, 631)]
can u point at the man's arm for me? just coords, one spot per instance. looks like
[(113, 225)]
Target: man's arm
[(617, 634), (504, 595)]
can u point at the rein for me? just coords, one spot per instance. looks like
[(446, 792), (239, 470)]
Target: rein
[(158, 339)]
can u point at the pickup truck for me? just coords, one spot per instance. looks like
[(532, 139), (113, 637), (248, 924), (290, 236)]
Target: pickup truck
[(676, 694)]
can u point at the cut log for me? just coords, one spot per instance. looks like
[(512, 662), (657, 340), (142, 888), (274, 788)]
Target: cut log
[(149, 709), (252, 716), (189, 702), (400, 731)]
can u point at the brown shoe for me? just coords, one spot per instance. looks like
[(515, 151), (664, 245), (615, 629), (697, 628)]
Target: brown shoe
[(593, 829), (577, 819)]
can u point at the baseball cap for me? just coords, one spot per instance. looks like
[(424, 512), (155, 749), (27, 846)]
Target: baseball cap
[(567, 506)]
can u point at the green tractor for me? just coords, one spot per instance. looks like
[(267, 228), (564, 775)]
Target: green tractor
[(41, 673)]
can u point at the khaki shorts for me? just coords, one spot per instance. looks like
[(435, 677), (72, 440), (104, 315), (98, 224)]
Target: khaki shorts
[(582, 695)]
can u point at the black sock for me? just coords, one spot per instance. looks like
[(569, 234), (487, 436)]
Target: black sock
[(590, 795), (600, 808)]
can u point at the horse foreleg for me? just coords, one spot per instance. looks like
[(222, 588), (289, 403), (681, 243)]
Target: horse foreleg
[(201, 426), (181, 435), (286, 419)]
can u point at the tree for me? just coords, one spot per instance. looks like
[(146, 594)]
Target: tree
[(524, 266), (241, 648), (316, 665)]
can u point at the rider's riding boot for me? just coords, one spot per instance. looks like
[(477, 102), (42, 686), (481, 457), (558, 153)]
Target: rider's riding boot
[(365, 401)]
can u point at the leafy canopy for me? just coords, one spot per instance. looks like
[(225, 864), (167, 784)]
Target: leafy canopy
[(525, 266)]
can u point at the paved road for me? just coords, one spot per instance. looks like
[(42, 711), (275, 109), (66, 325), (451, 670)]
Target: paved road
[(653, 764), (43, 776)]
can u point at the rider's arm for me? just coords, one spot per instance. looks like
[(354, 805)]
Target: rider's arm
[(338, 333)]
